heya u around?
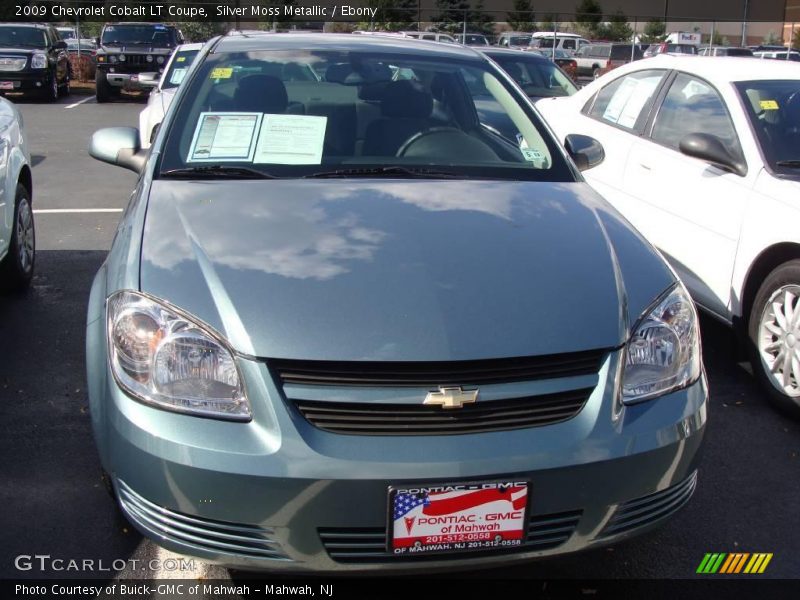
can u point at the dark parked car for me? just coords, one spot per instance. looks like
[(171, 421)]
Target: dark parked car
[(535, 73), (33, 60), (125, 50)]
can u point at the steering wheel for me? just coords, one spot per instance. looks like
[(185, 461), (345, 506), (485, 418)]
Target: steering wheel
[(420, 135)]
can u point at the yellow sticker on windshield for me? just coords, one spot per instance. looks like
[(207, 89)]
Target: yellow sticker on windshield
[(769, 105), (180, 59), (222, 73)]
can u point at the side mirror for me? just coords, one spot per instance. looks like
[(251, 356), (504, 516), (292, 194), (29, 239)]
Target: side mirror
[(118, 146), (586, 151), (149, 79), (710, 148), (60, 45)]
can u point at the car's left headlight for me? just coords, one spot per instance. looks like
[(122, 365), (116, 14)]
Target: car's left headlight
[(39, 61), (166, 359), (663, 353)]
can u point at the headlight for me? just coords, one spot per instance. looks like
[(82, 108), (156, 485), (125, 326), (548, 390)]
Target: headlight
[(663, 353), (121, 58), (160, 60), (165, 359), (149, 58), (112, 58), (39, 61)]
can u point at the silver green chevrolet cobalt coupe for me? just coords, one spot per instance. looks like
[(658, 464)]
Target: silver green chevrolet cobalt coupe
[(362, 313)]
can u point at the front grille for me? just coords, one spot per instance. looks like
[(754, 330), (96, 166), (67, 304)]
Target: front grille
[(12, 63), (406, 419), (205, 534), (368, 544), (651, 508), (136, 60), (432, 374)]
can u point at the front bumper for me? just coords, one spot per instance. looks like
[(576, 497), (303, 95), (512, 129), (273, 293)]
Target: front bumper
[(279, 494), (127, 81), (24, 81)]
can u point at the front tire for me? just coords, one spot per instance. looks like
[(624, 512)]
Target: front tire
[(16, 269), (51, 92), (774, 332), (102, 87), (66, 87)]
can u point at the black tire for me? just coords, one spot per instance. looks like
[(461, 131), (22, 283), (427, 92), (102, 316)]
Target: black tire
[(16, 269), (595, 72), (103, 88), (50, 93), (776, 342), (66, 87)]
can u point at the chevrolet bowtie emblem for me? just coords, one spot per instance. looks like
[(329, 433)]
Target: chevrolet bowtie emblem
[(451, 397)]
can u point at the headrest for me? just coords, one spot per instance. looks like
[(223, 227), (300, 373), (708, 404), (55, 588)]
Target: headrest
[(261, 93), (372, 92), (406, 99)]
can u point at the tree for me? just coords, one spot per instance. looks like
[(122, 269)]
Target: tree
[(521, 18), (480, 20), (771, 39), (654, 31), (394, 15), (796, 40), (588, 14), (201, 31), (452, 14), (618, 29), (548, 23)]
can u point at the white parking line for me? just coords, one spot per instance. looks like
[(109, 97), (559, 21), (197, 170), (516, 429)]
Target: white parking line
[(79, 102), (55, 211)]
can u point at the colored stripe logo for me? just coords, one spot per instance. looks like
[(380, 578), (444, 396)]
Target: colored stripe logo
[(734, 563)]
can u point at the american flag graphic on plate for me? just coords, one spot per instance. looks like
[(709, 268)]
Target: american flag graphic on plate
[(457, 517)]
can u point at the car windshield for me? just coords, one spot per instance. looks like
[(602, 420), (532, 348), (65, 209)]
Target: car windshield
[(369, 111), (22, 37), (519, 40), (773, 107), (539, 78), (178, 68), (152, 35)]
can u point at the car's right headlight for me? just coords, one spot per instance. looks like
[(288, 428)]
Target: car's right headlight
[(39, 61), (164, 358), (663, 352)]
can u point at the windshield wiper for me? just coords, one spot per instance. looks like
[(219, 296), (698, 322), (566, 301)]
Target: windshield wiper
[(407, 172), (792, 164), (216, 172)]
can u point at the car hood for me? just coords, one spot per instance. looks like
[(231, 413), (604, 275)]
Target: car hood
[(21, 51), (398, 270)]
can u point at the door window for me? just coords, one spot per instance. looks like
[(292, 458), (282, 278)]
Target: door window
[(694, 106), (626, 101)]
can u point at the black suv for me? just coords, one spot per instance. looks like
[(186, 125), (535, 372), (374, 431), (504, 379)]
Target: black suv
[(126, 50), (33, 60)]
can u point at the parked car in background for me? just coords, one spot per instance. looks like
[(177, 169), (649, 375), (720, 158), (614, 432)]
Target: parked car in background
[(594, 59), (67, 33), (669, 48), (125, 50), (82, 64), (33, 61), (536, 74), (724, 51), (514, 39), (703, 157), (430, 36), (162, 95), (472, 39), (569, 42), (774, 55), (341, 314), (17, 235), (563, 59)]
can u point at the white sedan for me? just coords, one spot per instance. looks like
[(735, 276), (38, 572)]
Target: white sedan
[(703, 157), (17, 237), (162, 95)]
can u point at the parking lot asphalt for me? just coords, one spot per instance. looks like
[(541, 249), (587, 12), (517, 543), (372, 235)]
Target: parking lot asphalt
[(53, 501)]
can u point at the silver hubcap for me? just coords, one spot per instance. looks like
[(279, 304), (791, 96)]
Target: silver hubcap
[(25, 235), (779, 339)]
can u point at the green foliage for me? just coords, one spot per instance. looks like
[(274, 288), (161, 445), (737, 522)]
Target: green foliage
[(654, 31), (394, 15), (548, 23), (796, 40), (201, 31), (771, 39), (588, 15), (453, 12), (617, 29), (521, 18)]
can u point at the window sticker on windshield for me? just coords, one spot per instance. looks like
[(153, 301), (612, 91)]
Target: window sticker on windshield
[(531, 155), (291, 140), (227, 136), (180, 59), (221, 73), (769, 105), (177, 76)]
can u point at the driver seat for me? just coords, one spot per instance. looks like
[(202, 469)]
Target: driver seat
[(405, 110)]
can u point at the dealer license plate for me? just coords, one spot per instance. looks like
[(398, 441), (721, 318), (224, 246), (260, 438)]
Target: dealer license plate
[(442, 518), (6, 85)]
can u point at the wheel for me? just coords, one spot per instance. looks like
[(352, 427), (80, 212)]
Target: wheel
[(51, 92), (66, 88), (102, 87), (16, 269), (595, 72), (774, 332)]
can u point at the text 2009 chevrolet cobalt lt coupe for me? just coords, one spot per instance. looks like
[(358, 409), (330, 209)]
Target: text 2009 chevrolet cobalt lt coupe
[(344, 325)]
